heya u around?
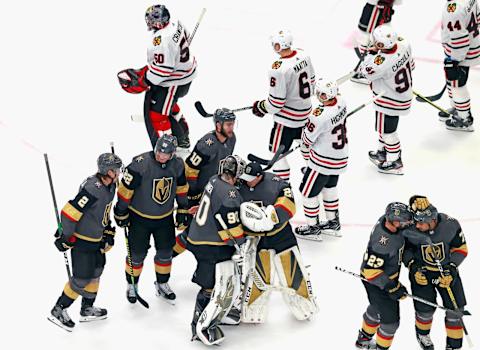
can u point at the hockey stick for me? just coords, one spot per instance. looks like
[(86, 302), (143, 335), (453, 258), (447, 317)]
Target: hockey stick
[(434, 97), (205, 114), (362, 106), (190, 38), (129, 257), (425, 99), (269, 163), (421, 300), (59, 223)]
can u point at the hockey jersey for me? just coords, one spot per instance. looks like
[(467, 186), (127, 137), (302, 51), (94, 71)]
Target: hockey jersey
[(219, 198), (447, 244), (460, 32), (383, 258), (169, 59), (149, 188), (86, 216), (391, 73), (291, 81), (204, 160), (271, 190), (326, 137)]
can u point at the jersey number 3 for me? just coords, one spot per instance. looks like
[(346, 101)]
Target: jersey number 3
[(341, 131)]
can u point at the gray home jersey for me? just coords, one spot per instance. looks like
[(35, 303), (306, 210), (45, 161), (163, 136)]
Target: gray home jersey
[(203, 162), (88, 213), (219, 198), (383, 257), (446, 243), (271, 191), (149, 188)]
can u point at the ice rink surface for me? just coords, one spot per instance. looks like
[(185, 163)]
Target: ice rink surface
[(60, 95)]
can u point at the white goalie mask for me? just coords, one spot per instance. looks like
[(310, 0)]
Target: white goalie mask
[(384, 37), (326, 90), (283, 38)]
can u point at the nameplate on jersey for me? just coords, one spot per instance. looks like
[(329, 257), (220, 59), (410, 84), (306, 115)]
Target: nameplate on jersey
[(432, 253), (162, 189)]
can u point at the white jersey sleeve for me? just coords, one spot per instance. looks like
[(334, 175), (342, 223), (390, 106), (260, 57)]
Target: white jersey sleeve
[(277, 94), (460, 31)]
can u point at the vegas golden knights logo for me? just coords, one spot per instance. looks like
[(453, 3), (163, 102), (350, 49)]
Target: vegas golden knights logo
[(162, 189), (432, 253)]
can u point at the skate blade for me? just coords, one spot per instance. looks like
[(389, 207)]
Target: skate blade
[(391, 172), (317, 238), (375, 162), (168, 301), (91, 318), (332, 233), (59, 324), (468, 129)]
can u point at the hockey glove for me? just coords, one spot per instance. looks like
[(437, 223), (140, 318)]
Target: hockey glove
[(396, 290), (449, 275), (259, 108), (63, 244), (183, 219), (418, 272), (419, 203), (452, 70), (122, 219), (133, 80), (108, 239), (194, 199)]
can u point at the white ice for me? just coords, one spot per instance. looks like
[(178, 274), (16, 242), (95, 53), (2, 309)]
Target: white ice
[(59, 94)]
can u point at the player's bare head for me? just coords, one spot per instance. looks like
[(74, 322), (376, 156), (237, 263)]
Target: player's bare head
[(253, 174), (157, 17), (165, 147), (398, 215), (109, 166), (384, 37), (224, 120), (326, 90), (231, 168), (281, 40)]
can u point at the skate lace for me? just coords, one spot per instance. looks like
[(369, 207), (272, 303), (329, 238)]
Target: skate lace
[(425, 340), (65, 316), (166, 288), (131, 290)]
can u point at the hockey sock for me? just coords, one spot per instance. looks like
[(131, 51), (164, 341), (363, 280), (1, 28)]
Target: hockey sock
[(381, 143), (370, 324), (311, 209), (330, 202), (384, 340), (161, 123), (392, 146), (461, 100), (162, 269), (282, 169), (450, 94), (454, 330), (423, 323), (68, 297), (180, 244), (137, 270)]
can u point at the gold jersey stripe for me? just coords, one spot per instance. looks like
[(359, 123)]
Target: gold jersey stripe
[(205, 242), (463, 249), (86, 238), (155, 217), (71, 212), (191, 172), (371, 274), (287, 204), (125, 192), (236, 232), (182, 189)]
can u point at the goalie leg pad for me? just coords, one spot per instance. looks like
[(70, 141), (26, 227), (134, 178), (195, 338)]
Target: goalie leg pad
[(226, 290), (257, 287), (298, 294)]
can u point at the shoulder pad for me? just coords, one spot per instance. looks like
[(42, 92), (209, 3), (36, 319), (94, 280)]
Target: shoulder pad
[(276, 64), (317, 111)]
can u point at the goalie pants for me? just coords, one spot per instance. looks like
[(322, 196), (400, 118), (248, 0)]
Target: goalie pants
[(279, 242), (87, 267), (163, 232), (207, 257), (159, 110)]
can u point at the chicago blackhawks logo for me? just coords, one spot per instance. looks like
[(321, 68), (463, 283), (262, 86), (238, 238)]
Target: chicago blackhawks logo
[(276, 64), (162, 189), (317, 111), (432, 253), (157, 40), (451, 7), (379, 60)]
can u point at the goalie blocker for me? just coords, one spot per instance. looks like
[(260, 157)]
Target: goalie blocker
[(265, 214)]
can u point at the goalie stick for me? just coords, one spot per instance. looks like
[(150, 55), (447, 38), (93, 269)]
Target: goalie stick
[(129, 257), (433, 97)]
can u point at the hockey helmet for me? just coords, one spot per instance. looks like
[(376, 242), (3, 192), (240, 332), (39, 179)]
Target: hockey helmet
[(283, 38), (397, 211), (223, 115), (252, 170), (157, 17), (232, 165), (326, 90), (166, 144), (108, 161), (384, 37)]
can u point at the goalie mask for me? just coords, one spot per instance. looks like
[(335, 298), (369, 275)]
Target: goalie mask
[(232, 165)]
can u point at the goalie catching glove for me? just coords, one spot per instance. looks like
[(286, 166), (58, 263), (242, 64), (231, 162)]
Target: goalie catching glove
[(133, 80), (258, 219)]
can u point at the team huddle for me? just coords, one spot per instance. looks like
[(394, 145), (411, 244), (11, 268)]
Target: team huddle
[(234, 216)]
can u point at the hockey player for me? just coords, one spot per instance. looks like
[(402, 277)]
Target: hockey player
[(389, 68), (211, 238), (325, 146), (167, 77), (433, 254), (86, 230), (204, 160), (277, 248), (374, 14), (381, 267), (146, 196), (291, 81), (461, 43)]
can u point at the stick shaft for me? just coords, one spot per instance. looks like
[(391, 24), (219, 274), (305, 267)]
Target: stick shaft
[(190, 38)]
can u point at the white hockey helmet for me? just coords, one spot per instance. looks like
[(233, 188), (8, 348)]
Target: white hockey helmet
[(384, 37), (283, 38), (326, 90)]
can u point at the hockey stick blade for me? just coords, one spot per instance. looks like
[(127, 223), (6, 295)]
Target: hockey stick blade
[(275, 157), (434, 97), (254, 158), (141, 300), (201, 110)]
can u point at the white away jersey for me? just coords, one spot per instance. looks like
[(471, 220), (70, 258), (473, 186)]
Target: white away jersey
[(391, 73), (375, 2), (169, 59), (460, 32), (326, 136), (292, 80)]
